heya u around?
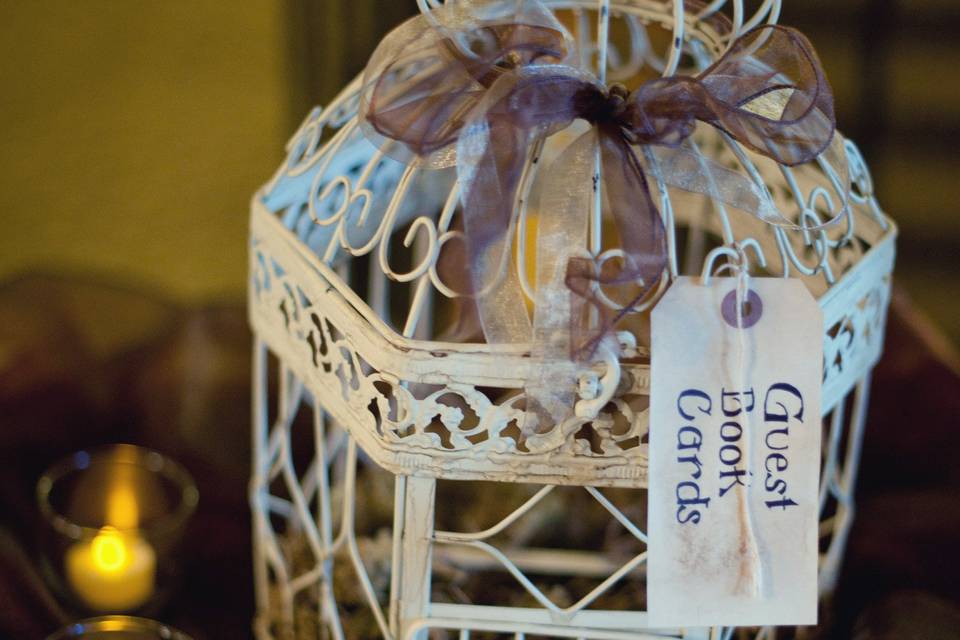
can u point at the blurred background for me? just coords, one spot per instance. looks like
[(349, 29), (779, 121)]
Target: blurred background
[(134, 133)]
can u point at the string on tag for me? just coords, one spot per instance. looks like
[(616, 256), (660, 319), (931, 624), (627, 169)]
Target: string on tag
[(750, 575)]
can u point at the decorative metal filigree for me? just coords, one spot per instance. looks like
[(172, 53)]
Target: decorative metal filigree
[(346, 293)]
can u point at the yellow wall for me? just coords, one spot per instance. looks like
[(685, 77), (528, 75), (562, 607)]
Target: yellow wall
[(134, 133)]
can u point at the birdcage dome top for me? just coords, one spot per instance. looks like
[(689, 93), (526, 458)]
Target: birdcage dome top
[(346, 242)]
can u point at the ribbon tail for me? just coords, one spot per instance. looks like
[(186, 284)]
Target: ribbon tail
[(612, 290), (562, 231), (684, 168), (491, 156)]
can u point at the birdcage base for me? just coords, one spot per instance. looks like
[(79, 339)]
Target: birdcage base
[(346, 549)]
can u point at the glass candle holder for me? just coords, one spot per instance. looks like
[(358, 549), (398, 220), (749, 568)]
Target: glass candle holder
[(115, 517), (118, 628)]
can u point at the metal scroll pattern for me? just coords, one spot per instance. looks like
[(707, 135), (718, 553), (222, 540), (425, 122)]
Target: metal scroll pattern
[(345, 199), (451, 417), (457, 417)]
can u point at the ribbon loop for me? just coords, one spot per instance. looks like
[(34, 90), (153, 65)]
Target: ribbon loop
[(430, 73)]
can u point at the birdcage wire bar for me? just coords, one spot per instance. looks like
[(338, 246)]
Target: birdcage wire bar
[(331, 544), (327, 280)]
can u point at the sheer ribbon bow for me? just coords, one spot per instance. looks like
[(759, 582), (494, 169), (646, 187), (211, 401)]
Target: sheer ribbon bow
[(479, 84)]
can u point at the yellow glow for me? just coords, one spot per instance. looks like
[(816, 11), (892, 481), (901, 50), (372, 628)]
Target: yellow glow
[(122, 509), (109, 550), (530, 248)]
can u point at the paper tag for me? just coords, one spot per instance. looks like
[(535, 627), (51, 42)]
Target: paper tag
[(734, 455)]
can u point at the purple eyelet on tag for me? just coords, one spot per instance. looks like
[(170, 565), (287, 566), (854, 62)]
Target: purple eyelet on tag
[(753, 309)]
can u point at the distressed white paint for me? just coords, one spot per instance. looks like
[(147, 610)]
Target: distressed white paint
[(386, 388)]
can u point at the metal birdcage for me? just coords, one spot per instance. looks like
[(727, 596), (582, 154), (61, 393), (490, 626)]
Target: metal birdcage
[(411, 503)]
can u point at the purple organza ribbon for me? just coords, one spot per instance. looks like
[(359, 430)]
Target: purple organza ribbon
[(480, 84)]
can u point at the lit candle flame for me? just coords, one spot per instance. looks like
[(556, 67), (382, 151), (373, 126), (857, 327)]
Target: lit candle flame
[(109, 550)]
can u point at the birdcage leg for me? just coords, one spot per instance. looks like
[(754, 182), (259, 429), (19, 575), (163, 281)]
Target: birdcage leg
[(326, 601), (413, 600), (843, 485), (260, 469)]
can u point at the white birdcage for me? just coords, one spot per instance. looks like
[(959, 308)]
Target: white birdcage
[(344, 294)]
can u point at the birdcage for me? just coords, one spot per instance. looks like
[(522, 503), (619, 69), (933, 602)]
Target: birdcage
[(394, 492)]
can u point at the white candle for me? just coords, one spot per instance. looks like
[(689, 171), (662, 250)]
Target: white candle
[(115, 571)]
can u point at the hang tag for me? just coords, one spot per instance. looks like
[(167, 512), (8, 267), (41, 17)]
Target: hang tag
[(734, 454)]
